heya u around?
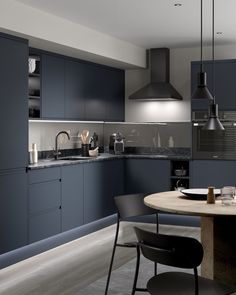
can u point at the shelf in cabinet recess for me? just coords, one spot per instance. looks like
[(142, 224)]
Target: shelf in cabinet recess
[(34, 97), (179, 177)]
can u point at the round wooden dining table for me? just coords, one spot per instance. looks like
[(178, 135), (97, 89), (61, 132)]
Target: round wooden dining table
[(218, 231)]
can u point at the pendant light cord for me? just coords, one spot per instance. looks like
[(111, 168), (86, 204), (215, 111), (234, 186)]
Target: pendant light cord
[(213, 49), (201, 40)]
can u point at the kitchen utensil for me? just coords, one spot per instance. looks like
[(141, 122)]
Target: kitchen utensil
[(84, 136)]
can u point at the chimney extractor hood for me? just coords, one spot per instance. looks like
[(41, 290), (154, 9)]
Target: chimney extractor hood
[(159, 88)]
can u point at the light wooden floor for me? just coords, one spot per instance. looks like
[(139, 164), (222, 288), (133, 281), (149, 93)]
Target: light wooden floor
[(69, 268)]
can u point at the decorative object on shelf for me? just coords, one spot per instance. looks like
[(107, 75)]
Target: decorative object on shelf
[(32, 65), (213, 122), (180, 172), (202, 91)]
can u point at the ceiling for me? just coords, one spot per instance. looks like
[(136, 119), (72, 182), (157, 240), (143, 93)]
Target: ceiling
[(148, 23)]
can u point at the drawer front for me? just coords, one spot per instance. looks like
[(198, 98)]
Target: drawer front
[(44, 225), (44, 196), (45, 174)]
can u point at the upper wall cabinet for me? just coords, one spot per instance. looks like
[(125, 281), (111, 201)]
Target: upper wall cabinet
[(77, 90), (222, 78), (53, 87), (14, 103)]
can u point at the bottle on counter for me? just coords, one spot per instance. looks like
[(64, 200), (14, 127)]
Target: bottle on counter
[(34, 153), (171, 142)]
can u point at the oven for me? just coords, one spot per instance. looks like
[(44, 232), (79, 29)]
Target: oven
[(208, 144)]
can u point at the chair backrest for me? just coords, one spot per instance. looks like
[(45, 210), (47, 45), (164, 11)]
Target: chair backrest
[(132, 205), (177, 251)]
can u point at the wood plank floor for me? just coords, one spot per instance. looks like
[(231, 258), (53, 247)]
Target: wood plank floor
[(67, 269)]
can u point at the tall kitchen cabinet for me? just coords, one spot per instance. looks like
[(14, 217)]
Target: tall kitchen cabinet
[(14, 143), (222, 79)]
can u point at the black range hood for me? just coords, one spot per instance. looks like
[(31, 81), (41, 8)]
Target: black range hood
[(159, 88)]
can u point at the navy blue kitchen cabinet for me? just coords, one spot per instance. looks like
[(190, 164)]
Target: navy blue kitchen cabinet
[(115, 93), (102, 181), (114, 184), (105, 94), (147, 175), (44, 203), (52, 87), (94, 191), (217, 173), (225, 86), (13, 216), (14, 102), (76, 87), (72, 196)]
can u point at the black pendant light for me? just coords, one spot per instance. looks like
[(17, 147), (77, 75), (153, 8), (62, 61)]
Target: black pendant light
[(202, 91), (213, 122)]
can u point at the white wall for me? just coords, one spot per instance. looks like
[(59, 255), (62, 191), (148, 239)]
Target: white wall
[(169, 111), (50, 32)]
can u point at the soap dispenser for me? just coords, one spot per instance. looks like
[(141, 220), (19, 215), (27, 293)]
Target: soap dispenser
[(34, 153)]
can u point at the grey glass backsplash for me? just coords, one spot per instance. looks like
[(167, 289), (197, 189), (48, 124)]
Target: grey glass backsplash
[(154, 135)]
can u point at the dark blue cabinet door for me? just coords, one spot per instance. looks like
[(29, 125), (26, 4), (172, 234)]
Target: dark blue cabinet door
[(76, 87), (44, 203), (217, 173), (225, 86), (147, 175), (13, 212), (115, 95), (94, 191), (114, 184), (14, 103), (95, 99), (72, 196), (102, 181), (53, 87)]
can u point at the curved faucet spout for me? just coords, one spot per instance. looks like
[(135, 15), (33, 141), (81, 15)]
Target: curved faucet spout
[(56, 154)]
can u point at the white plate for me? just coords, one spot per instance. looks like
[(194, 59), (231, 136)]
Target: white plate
[(199, 193)]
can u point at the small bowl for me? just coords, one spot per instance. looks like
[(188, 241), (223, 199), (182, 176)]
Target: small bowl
[(93, 153), (180, 172)]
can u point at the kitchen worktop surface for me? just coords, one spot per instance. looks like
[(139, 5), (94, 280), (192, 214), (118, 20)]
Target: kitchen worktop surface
[(46, 163)]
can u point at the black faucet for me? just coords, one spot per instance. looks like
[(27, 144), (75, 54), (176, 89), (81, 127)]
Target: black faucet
[(56, 153)]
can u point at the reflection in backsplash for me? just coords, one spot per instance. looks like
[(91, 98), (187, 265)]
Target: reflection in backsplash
[(156, 135)]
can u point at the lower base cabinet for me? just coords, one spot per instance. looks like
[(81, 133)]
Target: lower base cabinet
[(44, 203), (102, 181), (147, 175), (72, 201), (217, 173), (13, 212)]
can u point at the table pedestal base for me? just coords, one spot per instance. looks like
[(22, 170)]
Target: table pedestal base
[(218, 237)]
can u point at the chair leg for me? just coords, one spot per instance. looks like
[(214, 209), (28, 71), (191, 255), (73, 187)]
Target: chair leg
[(155, 268), (196, 281), (136, 270), (112, 256)]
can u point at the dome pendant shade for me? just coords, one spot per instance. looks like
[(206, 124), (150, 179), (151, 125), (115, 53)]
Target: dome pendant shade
[(213, 122), (202, 92)]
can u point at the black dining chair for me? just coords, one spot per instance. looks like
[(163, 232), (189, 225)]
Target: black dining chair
[(129, 206), (180, 252)]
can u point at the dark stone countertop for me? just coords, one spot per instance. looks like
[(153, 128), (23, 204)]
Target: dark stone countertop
[(47, 163)]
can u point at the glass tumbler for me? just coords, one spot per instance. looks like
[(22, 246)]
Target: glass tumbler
[(227, 195)]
